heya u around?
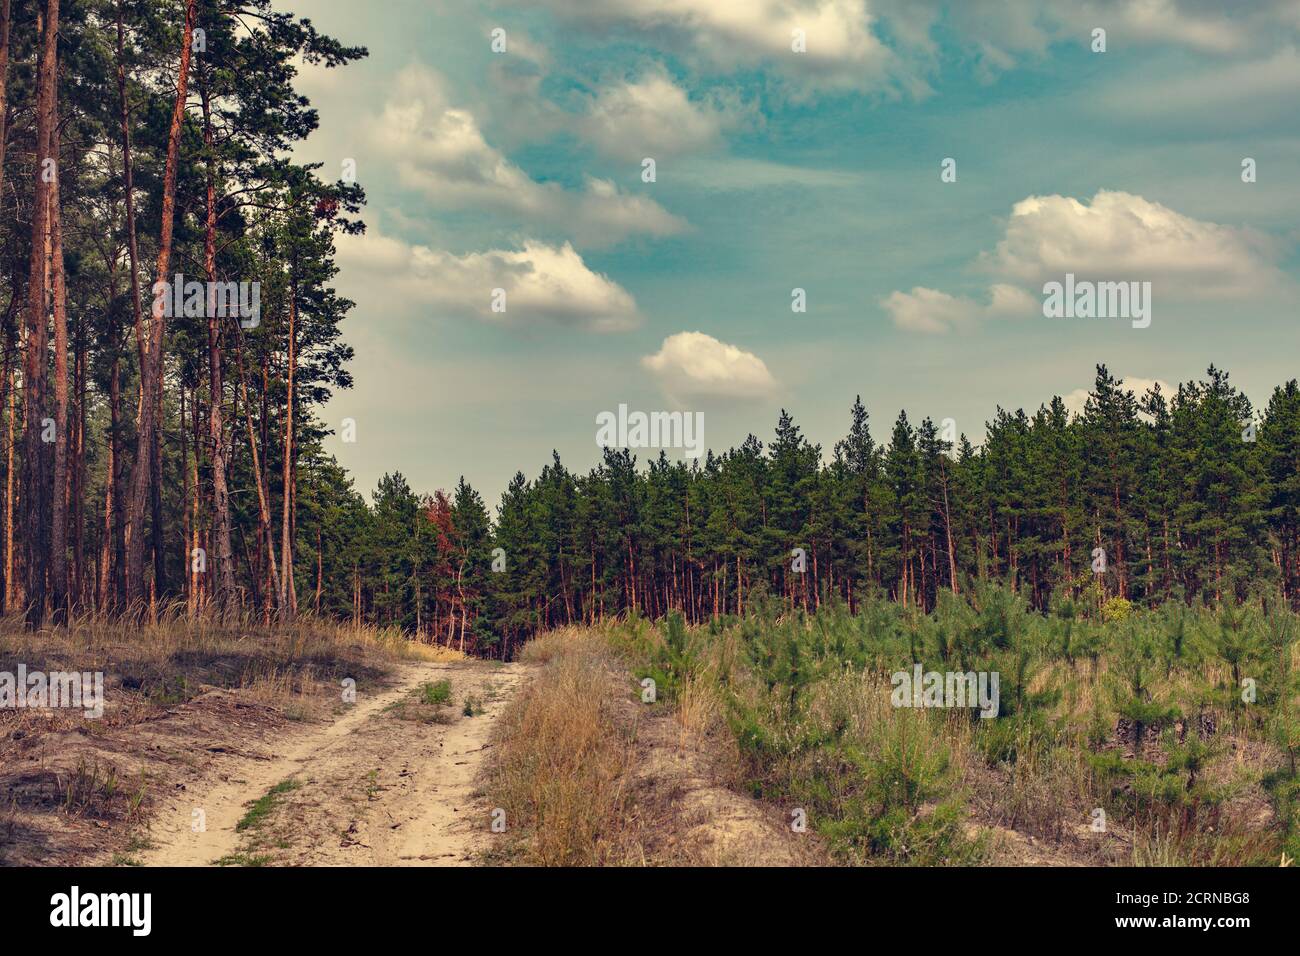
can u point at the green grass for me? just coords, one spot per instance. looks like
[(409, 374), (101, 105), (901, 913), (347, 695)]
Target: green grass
[(436, 694), (428, 704), (262, 807)]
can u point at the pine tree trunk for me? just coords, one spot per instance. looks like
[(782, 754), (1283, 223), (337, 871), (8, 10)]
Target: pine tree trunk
[(77, 471), (8, 404), (144, 474), (259, 476), (1120, 572), (319, 572), (460, 590), (288, 600), (947, 527), (157, 536), (356, 594), (37, 480), (740, 589), (189, 522), (225, 572), (59, 523), (104, 578), (118, 578)]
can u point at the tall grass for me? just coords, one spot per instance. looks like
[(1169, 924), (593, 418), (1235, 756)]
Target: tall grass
[(168, 661), (561, 756)]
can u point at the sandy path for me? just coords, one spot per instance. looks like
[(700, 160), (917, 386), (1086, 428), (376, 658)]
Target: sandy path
[(372, 788)]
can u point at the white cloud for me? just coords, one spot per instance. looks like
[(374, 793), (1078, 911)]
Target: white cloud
[(543, 283), (935, 312), (440, 150), (1120, 236), (1116, 237), (1001, 32), (651, 116), (842, 50), (693, 364), (1209, 26), (1076, 400), (846, 50)]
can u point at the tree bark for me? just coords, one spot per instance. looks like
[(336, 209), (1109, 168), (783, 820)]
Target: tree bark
[(10, 585), (320, 567), (77, 469), (8, 388), (225, 571), (103, 584), (947, 528), (263, 496), (119, 511), (288, 598), (36, 489), (59, 597), (143, 473), (189, 538)]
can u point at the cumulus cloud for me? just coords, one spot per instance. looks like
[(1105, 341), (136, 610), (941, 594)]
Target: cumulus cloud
[(693, 364), (935, 312), (841, 48), (439, 149), (1120, 236), (1116, 237), (542, 283), (1077, 400), (651, 116)]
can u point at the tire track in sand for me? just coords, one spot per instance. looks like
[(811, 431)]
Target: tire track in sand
[(373, 789)]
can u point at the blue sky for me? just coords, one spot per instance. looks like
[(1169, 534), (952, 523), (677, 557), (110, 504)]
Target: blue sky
[(778, 170)]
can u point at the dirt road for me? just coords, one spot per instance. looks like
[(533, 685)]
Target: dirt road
[(390, 782)]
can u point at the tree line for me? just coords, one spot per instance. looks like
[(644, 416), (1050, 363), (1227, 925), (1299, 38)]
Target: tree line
[(1188, 497)]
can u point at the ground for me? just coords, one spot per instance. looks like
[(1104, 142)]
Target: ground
[(377, 786)]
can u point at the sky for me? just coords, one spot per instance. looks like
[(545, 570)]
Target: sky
[(822, 168)]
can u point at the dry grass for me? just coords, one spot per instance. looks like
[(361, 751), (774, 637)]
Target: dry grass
[(173, 688), (591, 774), (552, 644), (562, 756), (698, 710), (169, 661)]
